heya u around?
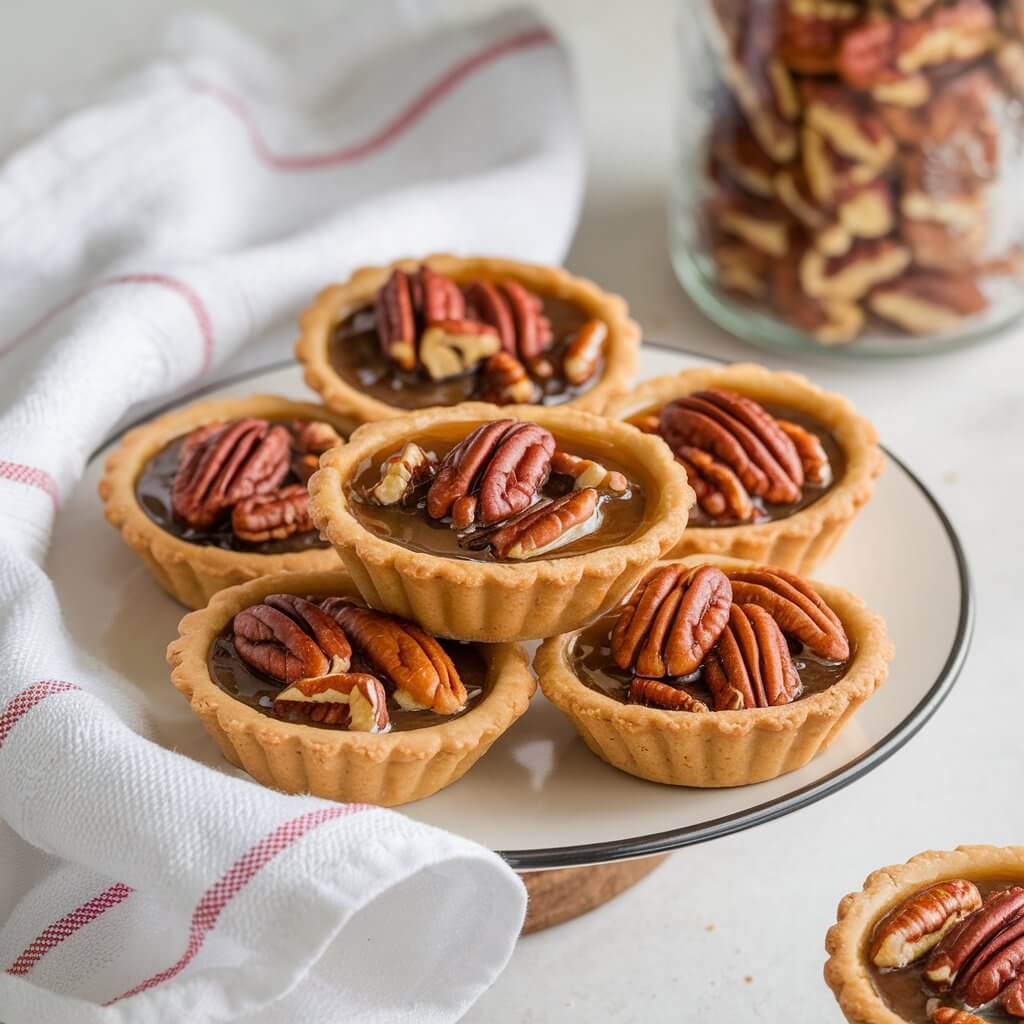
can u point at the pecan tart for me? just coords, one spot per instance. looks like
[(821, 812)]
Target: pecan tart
[(717, 672), (494, 524), (413, 335), (214, 493), (310, 691), (938, 940), (780, 468)]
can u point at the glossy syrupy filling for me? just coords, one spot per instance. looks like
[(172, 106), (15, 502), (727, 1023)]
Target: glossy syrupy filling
[(718, 480), (357, 357), (906, 991), (617, 518), (258, 690), (592, 662)]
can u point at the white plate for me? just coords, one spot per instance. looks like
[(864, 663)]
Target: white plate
[(539, 796)]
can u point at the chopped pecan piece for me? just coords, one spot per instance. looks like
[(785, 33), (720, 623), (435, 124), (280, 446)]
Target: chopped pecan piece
[(416, 664), (671, 620), (583, 354), (272, 516), (396, 320), (919, 923), (655, 693), (503, 463), (961, 945), (740, 433), (450, 348), (795, 606), (928, 302), (402, 474), (289, 638), (354, 699), (587, 473), (504, 381), (830, 321), (548, 526), (1013, 998), (220, 467), (750, 667)]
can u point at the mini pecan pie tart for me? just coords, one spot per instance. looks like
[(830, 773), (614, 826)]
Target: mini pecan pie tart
[(780, 468), (717, 672), (413, 335), (310, 691), (215, 493), (494, 524), (938, 940)]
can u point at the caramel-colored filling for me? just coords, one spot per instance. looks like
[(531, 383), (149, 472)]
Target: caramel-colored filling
[(621, 517), (810, 492), (903, 990), (591, 658), (355, 355), (257, 689), (153, 493)]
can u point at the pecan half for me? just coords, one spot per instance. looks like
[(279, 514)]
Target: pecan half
[(928, 302), (738, 156), (289, 638), (741, 268), (795, 606), (756, 222), (811, 31), (354, 699), (587, 473), (919, 923), (515, 313), (504, 381), (961, 945), (310, 439), (449, 348), (850, 127), (583, 354), (720, 494), (813, 456), (851, 276), (416, 664), (272, 516), (750, 666), (830, 321), (655, 693), (218, 468), (671, 620), (740, 433), (486, 302), (437, 298), (548, 526), (402, 474), (504, 463), (396, 320), (948, 1015)]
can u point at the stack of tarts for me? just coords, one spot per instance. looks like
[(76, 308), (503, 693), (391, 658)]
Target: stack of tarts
[(362, 591)]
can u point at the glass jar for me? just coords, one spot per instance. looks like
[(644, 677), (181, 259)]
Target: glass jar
[(849, 172)]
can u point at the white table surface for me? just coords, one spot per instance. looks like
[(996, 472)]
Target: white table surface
[(732, 930)]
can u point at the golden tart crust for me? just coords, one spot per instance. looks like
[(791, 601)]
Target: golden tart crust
[(720, 748), (803, 540), (386, 769), (337, 301), (193, 573), (496, 602), (847, 971)]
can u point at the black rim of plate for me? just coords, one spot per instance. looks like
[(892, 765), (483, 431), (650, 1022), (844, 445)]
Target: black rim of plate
[(589, 854)]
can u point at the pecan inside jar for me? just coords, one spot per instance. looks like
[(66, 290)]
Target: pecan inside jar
[(239, 485), (505, 490), (746, 462), (953, 953), (689, 639), (331, 663), (428, 339)]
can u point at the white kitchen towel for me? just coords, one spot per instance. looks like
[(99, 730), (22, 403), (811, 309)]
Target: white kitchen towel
[(168, 224)]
